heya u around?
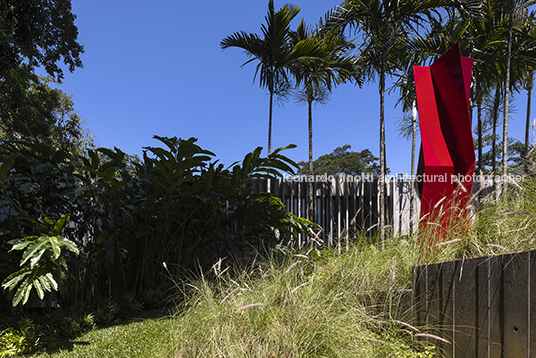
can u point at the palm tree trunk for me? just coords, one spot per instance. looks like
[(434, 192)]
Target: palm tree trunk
[(507, 94), (494, 135), (311, 184), (479, 119), (412, 182), (382, 152), (527, 124), (270, 131)]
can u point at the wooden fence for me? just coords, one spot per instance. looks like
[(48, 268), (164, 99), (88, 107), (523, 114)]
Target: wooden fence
[(343, 207), (485, 307)]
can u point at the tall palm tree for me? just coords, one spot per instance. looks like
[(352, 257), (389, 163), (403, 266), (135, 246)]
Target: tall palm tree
[(274, 52), (316, 77), (385, 26), (515, 8), (529, 85)]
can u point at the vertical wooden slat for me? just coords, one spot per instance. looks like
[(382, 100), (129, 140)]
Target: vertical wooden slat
[(448, 305), (466, 314), (532, 304), (482, 314), (495, 288), (515, 305)]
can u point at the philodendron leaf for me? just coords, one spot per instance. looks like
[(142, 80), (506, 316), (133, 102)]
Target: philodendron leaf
[(39, 288), (71, 246), (56, 249), (35, 251), (12, 280), (23, 293), (52, 281), (20, 244)]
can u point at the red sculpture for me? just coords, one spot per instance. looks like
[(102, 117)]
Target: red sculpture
[(447, 156)]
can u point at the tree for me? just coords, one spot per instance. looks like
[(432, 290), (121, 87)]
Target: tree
[(343, 161), (273, 51), (31, 108), (332, 65), (38, 33), (385, 27), (513, 7)]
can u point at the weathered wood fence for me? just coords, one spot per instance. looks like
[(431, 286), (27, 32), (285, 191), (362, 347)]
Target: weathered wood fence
[(486, 307), (343, 207)]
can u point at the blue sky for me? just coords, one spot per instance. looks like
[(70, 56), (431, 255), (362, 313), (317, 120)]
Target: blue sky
[(156, 68)]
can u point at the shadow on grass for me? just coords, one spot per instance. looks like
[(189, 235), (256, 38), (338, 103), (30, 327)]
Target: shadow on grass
[(53, 344)]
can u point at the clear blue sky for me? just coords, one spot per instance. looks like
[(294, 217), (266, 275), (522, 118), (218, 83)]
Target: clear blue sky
[(156, 67)]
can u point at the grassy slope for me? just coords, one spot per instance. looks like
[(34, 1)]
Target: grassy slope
[(315, 305)]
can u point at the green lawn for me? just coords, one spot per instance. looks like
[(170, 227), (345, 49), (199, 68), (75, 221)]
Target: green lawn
[(139, 338)]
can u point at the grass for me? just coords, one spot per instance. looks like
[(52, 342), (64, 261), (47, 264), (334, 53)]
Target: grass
[(141, 337), (317, 303)]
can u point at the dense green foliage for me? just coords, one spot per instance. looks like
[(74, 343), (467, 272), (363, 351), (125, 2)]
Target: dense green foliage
[(320, 303), (38, 33), (128, 218)]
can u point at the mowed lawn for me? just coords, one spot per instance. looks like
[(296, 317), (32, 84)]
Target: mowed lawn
[(140, 337)]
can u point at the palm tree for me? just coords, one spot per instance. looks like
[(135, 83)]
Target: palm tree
[(273, 51), (515, 7), (385, 26), (529, 85), (332, 65)]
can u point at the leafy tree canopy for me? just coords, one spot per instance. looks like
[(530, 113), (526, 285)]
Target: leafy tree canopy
[(343, 161), (38, 33), (31, 108)]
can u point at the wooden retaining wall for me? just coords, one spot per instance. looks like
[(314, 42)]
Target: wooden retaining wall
[(486, 307)]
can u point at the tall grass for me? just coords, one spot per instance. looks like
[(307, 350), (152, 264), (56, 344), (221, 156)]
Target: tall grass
[(354, 304), (318, 304)]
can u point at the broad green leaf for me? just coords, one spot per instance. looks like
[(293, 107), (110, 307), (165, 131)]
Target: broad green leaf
[(61, 224), (12, 280), (48, 221), (6, 166), (56, 249), (39, 288), (22, 243), (71, 246), (108, 174), (35, 250), (23, 293), (45, 283), (52, 281)]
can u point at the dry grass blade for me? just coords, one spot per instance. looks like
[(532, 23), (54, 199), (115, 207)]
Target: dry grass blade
[(292, 266), (448, 242), (192, 286), (497, 246), (433, 336), (229, 295), (246, 307), (296, 288), (406, 325)]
